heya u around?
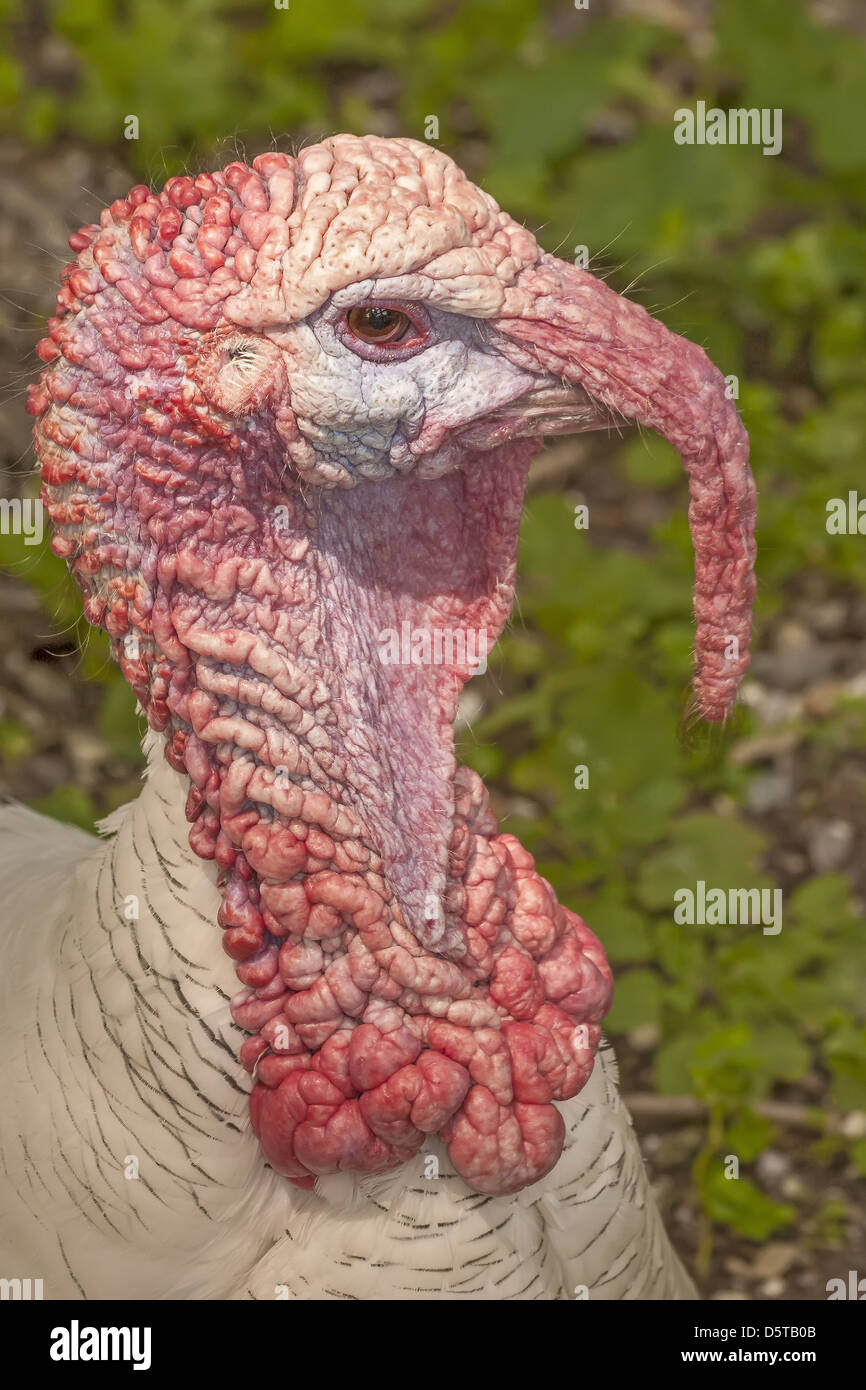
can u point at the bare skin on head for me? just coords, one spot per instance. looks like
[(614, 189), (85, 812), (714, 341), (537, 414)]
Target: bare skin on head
[(287, 408)]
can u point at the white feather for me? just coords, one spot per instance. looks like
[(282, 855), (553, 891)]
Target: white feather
[(119, 1056)]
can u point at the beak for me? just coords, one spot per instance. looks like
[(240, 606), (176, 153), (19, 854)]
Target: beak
[(589, 342)]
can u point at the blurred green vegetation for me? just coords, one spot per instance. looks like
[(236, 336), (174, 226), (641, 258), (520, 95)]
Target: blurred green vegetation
[(567, 119)]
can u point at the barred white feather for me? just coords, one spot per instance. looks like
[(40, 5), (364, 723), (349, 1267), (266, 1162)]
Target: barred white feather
[(129, 1168)]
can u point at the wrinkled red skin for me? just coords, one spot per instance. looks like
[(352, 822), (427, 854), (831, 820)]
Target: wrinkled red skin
[(371, 1026)]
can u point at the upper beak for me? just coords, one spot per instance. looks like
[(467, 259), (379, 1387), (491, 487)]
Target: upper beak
[(608, 359)]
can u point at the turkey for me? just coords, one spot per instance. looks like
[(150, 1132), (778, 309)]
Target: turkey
[(284, 427)]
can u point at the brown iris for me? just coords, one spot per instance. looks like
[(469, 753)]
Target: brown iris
[(373, 323)]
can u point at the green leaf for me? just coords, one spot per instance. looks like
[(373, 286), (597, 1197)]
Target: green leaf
[(681, 198), (844, 1052), (119, 724), (672, 1065), (622, 931), (651, 462), (70, 804), (726, 1067), (783, 1056), (15, 742), (748, 1136), (38, 567), (813, 70), (738, 1203), (636, 1001), (540, 110), (840, 343), (825, 901), (719, 850)]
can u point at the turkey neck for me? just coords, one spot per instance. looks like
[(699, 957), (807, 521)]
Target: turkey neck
[(140, 1019)]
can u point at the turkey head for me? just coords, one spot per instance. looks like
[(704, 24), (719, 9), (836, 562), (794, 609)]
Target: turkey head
[(284, 430)]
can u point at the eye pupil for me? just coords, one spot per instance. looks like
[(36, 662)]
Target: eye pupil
[(376, 323)]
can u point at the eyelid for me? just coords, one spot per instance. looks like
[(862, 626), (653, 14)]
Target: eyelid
[(361, 323), (381, 352)]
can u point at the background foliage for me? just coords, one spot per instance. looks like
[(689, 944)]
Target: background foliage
[(566, 117)]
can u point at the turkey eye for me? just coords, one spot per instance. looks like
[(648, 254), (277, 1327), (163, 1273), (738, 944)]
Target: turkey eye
[(373, 323)]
